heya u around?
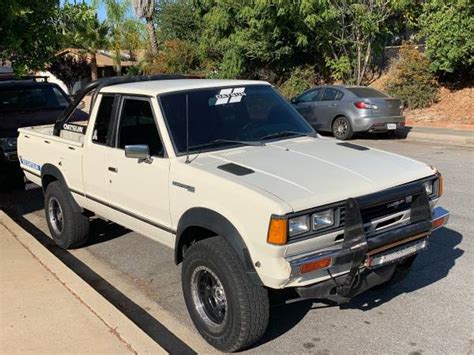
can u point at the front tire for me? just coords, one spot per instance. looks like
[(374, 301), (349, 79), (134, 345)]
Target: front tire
[(67, 225), (342, 129), (226, 307)]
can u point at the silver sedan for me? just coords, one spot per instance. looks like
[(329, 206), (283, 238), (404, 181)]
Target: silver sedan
[(344, 110)]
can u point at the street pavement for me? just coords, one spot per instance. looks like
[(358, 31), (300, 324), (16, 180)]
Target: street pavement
[(430, 312)]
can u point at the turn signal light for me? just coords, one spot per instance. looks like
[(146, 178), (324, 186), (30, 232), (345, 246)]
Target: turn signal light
[(440, 184), (315, 265), (278, 231), (437, 223)]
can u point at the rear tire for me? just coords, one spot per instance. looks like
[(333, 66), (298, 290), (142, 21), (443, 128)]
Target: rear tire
[(67, 225), (342, 129), (226, 307)]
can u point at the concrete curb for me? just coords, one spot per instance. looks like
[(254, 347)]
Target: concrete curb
[(119, 324), (443, 138)]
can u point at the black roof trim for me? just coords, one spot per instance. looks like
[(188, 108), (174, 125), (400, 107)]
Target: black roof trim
[(97, 85)]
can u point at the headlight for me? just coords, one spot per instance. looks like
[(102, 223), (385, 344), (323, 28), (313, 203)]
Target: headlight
[(298, 225), (323, 219), (8, 143), (428, 185)]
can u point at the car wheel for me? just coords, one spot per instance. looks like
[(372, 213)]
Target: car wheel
[(342, 129), (67, 225), (226, 307)]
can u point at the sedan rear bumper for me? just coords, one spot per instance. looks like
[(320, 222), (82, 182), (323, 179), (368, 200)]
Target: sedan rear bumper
[(377, 124)]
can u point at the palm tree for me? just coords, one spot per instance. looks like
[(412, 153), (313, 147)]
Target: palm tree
[(145, 9)]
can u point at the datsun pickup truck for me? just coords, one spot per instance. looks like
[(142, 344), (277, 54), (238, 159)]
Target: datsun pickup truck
[(250, 198)]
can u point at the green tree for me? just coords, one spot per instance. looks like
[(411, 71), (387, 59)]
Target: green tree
[(80, 28), (410, 79), (145, 9), (177, 19), (125, 31), (28, 35), (448, 28)]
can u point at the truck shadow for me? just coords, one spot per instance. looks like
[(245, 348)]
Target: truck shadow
[(432, 265)]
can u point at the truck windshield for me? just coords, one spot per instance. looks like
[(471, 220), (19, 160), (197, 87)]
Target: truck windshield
[(221, 118)]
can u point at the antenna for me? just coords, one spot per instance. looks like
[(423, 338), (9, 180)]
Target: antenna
[(187, 131)]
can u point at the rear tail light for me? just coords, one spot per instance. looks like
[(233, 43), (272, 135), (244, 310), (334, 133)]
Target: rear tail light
[(364, 105)]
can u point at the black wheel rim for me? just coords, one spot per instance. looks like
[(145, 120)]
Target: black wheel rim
[(209, 297)]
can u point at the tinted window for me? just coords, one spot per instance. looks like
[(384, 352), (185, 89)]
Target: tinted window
[(103, 128), (366, 92), (32, 97), (310, 96), (331, 94), (240, 113), (137, 126)]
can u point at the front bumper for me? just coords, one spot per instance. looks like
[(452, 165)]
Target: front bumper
[(364, 262)]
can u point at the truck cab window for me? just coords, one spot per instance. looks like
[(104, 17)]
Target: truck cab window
[(102, 128), (137, 126)]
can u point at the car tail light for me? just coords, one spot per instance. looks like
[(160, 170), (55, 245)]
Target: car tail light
[(363, 105)]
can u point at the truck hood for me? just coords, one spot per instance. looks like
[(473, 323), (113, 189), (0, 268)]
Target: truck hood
[(308, 172)]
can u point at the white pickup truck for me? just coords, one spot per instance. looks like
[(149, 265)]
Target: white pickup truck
[(250, 198)]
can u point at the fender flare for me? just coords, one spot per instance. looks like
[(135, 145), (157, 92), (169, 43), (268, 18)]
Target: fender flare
[(51, 170), (220, 225)]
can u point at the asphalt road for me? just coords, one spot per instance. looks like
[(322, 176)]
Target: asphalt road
[(430, 312)]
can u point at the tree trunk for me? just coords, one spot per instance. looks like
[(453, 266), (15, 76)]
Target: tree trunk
[(152, 36), (93, 66), (368, 52)]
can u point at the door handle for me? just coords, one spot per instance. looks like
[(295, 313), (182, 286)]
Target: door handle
[(112, 169), (332, 105)]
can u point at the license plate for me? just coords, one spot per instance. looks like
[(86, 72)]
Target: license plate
[(395, 255), (391, 126)]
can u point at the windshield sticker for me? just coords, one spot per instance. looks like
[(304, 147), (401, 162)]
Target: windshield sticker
[(228, 96)]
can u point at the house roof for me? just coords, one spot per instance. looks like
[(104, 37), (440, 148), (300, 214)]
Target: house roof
[(104, 57)]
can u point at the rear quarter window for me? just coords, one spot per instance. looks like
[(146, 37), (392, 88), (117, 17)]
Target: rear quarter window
[(366, 92)]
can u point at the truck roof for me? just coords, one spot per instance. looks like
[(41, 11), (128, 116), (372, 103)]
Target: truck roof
[(156, 87)]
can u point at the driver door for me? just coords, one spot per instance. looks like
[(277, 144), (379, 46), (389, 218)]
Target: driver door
[(138, 188)]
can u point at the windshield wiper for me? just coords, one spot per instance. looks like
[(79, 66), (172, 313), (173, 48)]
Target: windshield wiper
[(286, 133), (251, 143), (218, 141)]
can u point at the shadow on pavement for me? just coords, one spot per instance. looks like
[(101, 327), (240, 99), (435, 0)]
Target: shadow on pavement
[(430, 266)]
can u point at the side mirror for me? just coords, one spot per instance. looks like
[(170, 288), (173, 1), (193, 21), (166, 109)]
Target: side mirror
[(139, 151)]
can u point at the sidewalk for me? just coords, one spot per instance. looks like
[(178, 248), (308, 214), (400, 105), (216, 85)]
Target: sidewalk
[(442, 135), (46, 308)]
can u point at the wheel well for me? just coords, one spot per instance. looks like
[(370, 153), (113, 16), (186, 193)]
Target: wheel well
[(190, 236), (46, 180)]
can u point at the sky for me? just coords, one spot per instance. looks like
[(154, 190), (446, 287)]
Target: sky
[(100, 12)]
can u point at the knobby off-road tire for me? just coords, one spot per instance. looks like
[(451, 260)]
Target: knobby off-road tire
[(342, 129), (212, 274), (67, 225)]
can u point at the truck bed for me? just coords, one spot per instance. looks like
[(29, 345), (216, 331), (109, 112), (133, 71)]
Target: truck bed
[(38, 146)]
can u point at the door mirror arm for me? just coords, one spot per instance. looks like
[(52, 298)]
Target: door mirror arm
[(138, 151)]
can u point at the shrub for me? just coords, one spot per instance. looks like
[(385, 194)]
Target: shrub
[(410, 79), (301, 79), (177, 56)]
